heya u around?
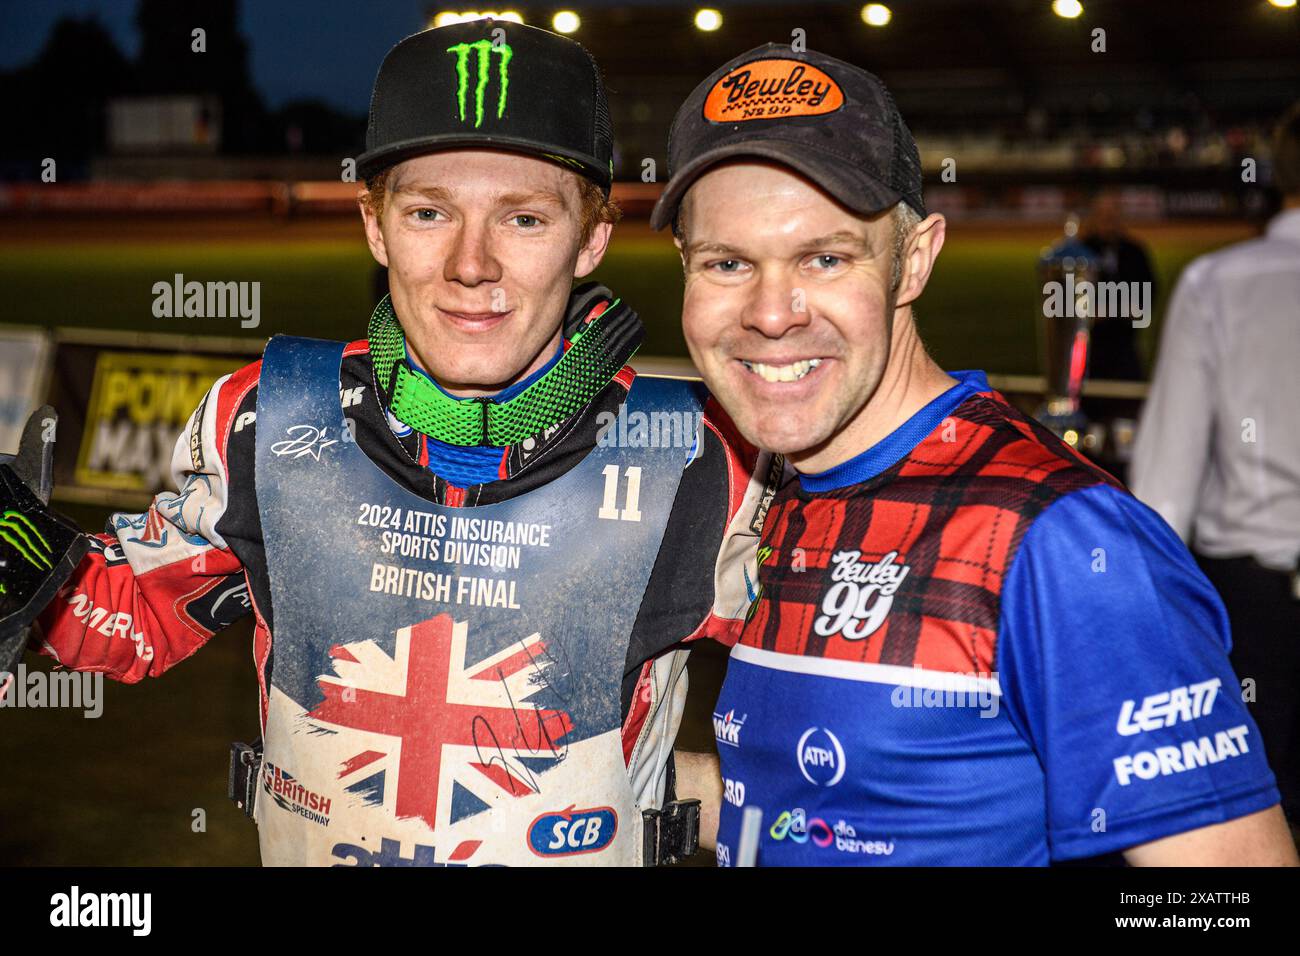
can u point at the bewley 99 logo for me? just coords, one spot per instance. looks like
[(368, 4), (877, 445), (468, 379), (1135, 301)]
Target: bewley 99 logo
[(857, 603)]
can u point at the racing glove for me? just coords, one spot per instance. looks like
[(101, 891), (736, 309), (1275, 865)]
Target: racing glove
[(38, 549)]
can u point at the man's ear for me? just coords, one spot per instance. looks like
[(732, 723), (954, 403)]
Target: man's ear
[(593, 250), (919, 256), (374, 234)]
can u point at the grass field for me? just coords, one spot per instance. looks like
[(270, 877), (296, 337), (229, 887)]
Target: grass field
[(978, 311), (124, 788)]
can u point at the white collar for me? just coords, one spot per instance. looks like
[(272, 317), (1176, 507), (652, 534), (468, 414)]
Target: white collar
[(1285, 225)]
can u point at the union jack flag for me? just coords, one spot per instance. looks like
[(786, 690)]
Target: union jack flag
[(428, 714)]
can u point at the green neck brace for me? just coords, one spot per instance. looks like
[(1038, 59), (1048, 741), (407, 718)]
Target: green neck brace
[(585, 368)]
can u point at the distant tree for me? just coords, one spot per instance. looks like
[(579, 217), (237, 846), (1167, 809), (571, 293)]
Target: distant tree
[(56, 105), (167, 64), (321, 128)]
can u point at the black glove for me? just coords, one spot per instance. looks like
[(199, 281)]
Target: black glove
[(38, 549)]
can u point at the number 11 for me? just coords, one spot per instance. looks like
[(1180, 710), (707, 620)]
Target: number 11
[(609, 507)]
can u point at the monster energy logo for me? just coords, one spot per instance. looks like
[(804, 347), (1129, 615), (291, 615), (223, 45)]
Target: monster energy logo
[(485, 49), (764, 553), (17, 530)]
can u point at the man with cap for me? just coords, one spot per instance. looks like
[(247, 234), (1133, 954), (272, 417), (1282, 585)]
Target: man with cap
[(472, 575), (970, 646)]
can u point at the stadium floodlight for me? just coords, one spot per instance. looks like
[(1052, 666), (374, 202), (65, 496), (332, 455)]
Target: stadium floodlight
[(707, 19), (1069, 9), (448, 17), (566, 21), (1283, 4), (876, 14)]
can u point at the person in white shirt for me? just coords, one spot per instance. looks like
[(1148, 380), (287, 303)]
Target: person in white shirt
[(1218, 450)]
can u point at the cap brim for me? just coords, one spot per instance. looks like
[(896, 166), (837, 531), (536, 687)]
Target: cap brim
[(371, 162), (855, 189)]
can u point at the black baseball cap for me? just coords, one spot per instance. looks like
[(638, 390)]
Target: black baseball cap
[(831, 121), (490, 83)]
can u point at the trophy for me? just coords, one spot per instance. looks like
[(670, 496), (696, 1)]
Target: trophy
[(1068, 275)]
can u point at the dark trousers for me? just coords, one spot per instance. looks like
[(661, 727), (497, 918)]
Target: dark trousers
[(1265, 619)]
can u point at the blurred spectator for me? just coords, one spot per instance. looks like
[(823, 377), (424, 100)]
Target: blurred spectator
[(1121, 258), (1218, 450)]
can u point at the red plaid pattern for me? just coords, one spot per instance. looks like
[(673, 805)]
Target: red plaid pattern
[(954, 511)]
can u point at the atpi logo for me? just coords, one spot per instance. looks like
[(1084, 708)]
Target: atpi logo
[(484, 49), (727, 728), (571, 831), (820, 756)]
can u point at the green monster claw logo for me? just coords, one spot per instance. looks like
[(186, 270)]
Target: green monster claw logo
[(485, 49), (17, 530)]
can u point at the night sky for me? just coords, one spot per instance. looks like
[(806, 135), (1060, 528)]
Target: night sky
[(300, 49), (322, 49)]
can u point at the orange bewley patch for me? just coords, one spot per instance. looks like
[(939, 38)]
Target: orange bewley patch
[(772, 89)]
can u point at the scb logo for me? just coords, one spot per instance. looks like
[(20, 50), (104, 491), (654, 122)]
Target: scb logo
[(820, 756), (570, 832)]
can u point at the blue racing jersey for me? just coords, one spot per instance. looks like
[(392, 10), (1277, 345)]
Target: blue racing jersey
[(972, 647)]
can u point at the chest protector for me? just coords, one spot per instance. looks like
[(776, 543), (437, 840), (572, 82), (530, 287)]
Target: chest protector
[(445, 681)]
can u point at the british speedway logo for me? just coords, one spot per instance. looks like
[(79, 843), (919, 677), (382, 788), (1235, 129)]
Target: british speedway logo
[(859, 601), (293, 797)]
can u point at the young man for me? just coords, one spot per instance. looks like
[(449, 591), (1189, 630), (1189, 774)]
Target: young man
[(469, 605), (970, 645)]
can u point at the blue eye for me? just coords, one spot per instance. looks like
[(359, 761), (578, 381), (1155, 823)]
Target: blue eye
[(531, 223), (827, 261), (721, 266), (420, 215)]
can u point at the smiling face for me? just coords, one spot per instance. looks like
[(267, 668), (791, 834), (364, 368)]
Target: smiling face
[(788, 312), (482, 247)]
